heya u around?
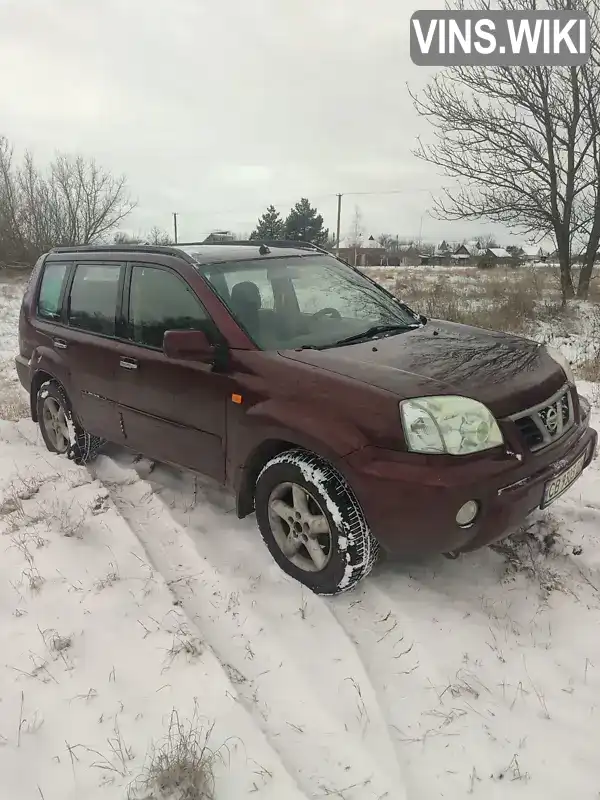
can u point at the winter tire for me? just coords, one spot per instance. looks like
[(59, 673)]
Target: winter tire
[(312, 523), (60, 431)]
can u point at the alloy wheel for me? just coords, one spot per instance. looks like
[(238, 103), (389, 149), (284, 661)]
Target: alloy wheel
[(55, 424), (300, 527)]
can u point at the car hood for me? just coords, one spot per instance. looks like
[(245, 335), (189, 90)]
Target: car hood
[(507, 373)]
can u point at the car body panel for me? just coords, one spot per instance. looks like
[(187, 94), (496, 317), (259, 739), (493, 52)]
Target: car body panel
[(506, 373), (173, 410)]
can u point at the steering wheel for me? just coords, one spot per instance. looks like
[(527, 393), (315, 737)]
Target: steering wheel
[(327, 312)]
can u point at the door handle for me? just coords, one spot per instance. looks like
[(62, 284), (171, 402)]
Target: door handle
[(128, 363), (60, 344)]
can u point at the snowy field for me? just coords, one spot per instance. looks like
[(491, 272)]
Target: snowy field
[(134, 604)]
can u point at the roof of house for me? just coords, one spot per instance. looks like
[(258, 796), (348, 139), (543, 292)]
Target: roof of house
[(499, 252), (365, 244), (530, 249), (472, 249)]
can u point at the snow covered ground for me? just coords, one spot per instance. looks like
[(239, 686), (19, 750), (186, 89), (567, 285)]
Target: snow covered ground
[(128, 596)]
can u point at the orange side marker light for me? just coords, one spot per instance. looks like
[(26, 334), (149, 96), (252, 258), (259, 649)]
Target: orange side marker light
[(237, 399)]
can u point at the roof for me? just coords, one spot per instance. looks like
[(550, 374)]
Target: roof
[(530, 250), (364, 244), (202, 253), (499, 252), (227, 251), (472, 248)]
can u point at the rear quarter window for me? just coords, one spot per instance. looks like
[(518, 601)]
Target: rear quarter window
[(53, 278)]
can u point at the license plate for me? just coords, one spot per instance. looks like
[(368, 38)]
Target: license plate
[(562, 482)]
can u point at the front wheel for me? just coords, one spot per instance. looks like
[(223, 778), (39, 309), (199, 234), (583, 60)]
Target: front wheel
[(313, 524)]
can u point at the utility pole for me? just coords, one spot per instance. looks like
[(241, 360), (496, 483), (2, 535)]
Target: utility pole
[(339, 219), (175, 226)]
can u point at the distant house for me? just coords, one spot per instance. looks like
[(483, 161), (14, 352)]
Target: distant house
[(441, 256), (467, 254), (529, 252), (363, 253), (498, 255), (216, 237), (406, 256)]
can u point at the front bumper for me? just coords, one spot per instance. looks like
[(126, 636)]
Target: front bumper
[(410, 501)]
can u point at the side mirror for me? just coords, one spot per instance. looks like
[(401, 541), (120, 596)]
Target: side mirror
[(422, 319), (188, 346)]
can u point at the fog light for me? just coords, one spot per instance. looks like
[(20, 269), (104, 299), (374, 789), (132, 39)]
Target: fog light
[(467, 513)]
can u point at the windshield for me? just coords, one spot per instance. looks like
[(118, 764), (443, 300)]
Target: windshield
[(310, 301)]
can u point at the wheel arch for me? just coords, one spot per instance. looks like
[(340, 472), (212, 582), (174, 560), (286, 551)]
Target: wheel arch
[(39, 378), (258, 458)]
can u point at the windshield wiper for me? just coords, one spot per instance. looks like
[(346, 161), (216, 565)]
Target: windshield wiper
[(375, 330)]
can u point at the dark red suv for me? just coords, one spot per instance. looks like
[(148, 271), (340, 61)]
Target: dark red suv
[(343, 418)]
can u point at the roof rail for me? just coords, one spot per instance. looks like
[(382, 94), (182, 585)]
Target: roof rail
[(291, 243), (115, 248)]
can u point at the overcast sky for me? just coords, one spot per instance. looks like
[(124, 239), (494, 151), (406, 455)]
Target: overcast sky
[(216, 109)]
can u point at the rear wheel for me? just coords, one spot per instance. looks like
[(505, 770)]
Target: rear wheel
[(312, 523), (60, 431)]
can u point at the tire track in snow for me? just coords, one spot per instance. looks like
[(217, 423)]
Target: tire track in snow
[(305, 686), (431, 720)]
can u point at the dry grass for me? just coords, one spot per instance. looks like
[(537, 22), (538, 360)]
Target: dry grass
[(181, 766), (502, 299), (589, 370), (14, 275), (13, 400), (68, 518), (531, 552)]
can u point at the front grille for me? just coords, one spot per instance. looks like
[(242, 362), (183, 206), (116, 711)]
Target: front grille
[(544, 424)]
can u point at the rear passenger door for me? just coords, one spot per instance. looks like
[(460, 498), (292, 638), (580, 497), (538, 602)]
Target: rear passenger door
[(172, 410), (92, 317)]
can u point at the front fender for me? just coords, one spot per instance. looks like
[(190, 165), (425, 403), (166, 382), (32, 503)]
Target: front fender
[(272, 426), (326, 434)]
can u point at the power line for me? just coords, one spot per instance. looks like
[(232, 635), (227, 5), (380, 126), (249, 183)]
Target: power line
[(386, 191), (239, 209)]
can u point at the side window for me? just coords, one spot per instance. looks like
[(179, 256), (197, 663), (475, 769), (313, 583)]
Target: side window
[(50, 290), (259, 278), (94, 298), (160, 301)]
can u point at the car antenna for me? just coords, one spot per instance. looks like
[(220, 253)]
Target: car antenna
[(264, 250)]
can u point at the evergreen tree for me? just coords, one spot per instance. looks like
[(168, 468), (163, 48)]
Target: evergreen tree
[(269, 226), (305, 224)]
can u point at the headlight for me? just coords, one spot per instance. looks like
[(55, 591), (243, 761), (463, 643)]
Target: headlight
[(449, 424), (562, 362)]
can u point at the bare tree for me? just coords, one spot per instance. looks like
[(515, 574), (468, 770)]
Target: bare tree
[(522, 145), (486, 241), (388, 241), (158, 237), (10, 242), (88, 201), (355, 236), (73, 202)]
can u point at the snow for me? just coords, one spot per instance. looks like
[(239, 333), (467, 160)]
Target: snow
[(126, 593)]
